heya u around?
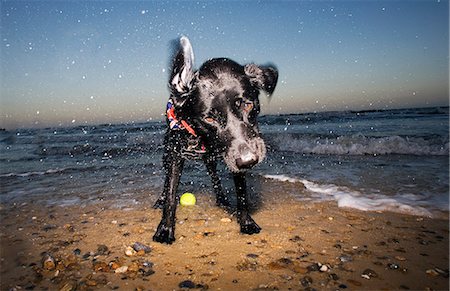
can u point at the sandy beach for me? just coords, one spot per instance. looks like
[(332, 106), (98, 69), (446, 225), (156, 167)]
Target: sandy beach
[(303, 245)]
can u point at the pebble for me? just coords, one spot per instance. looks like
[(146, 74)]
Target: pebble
[(48, 262), (393, 266), (345, 258), (399, 258), (226, 220), (102, 250), (333, 276), (99, 266), (187, 284), (313, 268), (369, 273), (129, 251), (306, 281), (121, 270), (137, 246), (324, 268), (77, 252)]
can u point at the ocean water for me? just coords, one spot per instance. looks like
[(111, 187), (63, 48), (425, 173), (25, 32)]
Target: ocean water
[(391, 160)]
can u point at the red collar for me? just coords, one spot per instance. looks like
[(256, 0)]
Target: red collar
[(174, 123)]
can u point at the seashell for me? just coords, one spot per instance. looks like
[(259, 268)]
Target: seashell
[(48, 262)]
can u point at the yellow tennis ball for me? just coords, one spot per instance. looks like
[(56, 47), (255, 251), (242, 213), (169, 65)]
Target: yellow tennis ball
[(187, 199)]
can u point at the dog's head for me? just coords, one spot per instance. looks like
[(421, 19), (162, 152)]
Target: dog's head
[(221, 102)]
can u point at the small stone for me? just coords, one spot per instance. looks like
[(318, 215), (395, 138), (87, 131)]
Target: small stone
[(121, 270), (306, 281), (187, 284), (324, 268), (369, 273), (129, 251), (226, 220), (313, 268), (137, 246), (333, 276), (98, 266), (253, 256), (393, 266), (77, 252), (345, 258), (114, 265), (296, 239), (133, 267), (48, 262), (102, 250), (432, 273), (399, 258), (443, 273)]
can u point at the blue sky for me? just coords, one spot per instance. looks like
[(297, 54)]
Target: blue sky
[(69, 63)]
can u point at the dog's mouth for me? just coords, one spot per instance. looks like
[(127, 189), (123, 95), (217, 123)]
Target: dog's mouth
[(242, 156)]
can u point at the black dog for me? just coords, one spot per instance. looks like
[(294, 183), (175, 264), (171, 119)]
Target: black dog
[(211, 114)]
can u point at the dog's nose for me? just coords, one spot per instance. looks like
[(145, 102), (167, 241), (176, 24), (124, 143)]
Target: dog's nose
[(247, 159)]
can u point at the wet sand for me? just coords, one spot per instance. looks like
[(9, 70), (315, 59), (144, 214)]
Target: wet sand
[(303, 245)]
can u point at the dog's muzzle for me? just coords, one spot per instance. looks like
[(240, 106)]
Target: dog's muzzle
[(243, 156), (247, 159)]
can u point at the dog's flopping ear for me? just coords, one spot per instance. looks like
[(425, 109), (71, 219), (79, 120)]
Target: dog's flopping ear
[(263, 77), (182, 75)]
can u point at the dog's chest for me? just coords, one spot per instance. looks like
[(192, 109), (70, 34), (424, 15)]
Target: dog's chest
[(193, 148)]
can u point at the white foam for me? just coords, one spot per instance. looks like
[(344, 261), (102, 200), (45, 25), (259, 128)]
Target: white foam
[(346, 197), (36, 173), (362, 145)]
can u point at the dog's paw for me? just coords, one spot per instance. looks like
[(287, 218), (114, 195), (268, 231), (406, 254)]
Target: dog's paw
[(164, 234), (249, 226)]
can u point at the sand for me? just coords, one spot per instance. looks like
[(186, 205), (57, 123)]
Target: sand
[(303, 245)]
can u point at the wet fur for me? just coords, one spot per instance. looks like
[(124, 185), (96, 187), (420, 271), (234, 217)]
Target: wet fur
[(221, 102)]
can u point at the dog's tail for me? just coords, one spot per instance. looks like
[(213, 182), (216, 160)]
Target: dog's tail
[(182, 74)]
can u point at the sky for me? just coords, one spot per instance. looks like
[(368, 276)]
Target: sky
[(69, 63)]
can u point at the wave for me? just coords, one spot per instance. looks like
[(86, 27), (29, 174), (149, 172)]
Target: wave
[(360, 145), (35, 173), (350, 198)]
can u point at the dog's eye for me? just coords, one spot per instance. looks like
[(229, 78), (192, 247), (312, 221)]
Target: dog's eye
[(238, 102), (210, 120)]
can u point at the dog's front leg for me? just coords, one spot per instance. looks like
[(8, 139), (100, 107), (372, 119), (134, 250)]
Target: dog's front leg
[(165, 232), (247, 224), (221, 199)]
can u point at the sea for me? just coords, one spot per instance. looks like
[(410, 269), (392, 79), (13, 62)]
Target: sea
[(379, 160)]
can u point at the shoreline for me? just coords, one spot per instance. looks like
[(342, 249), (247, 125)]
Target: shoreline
[(302, 245)]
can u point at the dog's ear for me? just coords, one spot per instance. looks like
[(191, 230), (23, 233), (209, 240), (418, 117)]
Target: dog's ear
[(182, 75), (263, 77)]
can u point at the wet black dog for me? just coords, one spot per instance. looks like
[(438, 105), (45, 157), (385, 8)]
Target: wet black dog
[(211, 114)]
